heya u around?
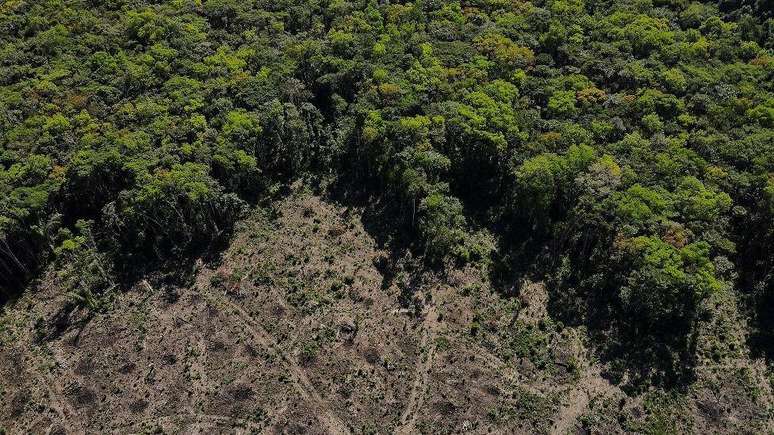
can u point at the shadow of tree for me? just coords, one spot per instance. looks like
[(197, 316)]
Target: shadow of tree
[(637, 355), (761, 340), (638, 360)]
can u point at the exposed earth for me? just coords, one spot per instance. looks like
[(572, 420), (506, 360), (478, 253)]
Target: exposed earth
[(306, 325)]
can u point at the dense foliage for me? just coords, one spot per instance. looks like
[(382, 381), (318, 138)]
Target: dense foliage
[(623, 150)]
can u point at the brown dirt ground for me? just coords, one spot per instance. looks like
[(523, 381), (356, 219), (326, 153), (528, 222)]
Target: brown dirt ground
[(296, 330)]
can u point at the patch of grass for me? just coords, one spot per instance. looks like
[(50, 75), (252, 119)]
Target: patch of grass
[(604, 413), (442, 343), (532, 409), (311, 348), (665, 414), (527, 341), (309, 352)]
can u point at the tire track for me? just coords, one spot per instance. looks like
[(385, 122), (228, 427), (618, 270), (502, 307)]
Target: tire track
[(300, 381), (416, 397)]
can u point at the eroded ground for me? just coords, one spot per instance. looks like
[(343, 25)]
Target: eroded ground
[(300, 328)]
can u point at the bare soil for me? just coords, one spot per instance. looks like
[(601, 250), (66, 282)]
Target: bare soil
[(296, 329)]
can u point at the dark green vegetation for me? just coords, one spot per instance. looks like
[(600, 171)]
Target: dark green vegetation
[(621, 150)]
